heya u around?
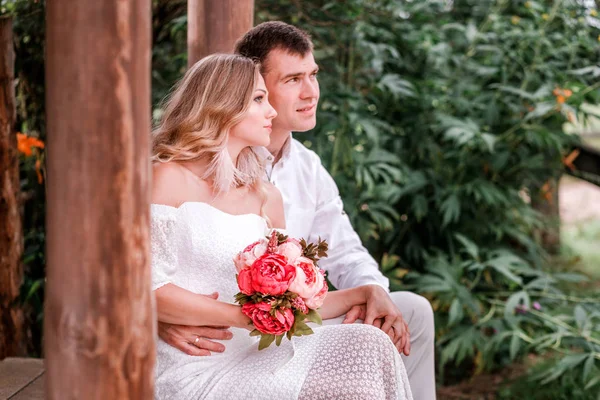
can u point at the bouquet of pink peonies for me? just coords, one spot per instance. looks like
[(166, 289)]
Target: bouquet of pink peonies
[(281, 286)]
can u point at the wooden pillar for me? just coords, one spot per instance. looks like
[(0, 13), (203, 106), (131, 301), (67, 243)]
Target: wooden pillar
[(99, 326), (11, 230), (215, 25)]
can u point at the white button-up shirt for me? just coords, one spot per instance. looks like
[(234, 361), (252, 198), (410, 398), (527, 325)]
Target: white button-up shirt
[(313, 208)]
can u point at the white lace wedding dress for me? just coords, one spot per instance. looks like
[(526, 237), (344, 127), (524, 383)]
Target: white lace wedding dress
[(193, 247)]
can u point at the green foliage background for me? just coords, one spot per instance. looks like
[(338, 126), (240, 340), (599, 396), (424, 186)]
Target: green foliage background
[(441, 123), (438, 122)]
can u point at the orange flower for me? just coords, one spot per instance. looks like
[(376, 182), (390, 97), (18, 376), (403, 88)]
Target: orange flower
[(22, 144), (38, 171), (568, 160), (562, 94), (25, 143)]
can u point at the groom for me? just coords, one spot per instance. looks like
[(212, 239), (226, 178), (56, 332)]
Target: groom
[(314, 208)]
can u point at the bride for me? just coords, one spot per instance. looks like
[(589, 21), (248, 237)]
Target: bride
[(208, 202)]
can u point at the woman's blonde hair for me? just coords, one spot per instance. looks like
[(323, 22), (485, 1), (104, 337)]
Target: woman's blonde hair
[(210, 99)]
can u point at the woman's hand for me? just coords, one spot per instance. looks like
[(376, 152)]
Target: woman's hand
[(194, 340)]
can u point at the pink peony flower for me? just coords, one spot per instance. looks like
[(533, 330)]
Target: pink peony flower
[(299, 304), (291, 249), (246, 257), (245, 281), (308, 281), (317, 300), (271, 274), (262, 319)]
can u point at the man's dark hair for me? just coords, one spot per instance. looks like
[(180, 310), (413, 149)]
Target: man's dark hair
[(259, 41)]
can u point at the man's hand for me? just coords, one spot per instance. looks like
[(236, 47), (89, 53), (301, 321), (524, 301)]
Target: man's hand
[(195, 340), (381, 312)]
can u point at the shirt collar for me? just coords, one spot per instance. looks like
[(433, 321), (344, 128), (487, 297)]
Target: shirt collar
[(265, 155)]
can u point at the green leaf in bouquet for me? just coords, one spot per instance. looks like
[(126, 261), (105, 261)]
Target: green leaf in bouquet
[(265, 341), (278, 339), (281, 238), (255, 332), (259, 298), (242, 298), (322, 247), (302, 329), (298, 317), (315, 317)]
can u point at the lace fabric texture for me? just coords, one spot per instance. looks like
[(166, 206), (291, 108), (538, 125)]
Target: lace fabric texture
[(193, 247)]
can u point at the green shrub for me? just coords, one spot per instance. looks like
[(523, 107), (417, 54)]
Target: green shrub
[(440, 121)]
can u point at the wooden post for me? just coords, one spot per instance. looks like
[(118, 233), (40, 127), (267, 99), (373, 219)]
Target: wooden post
[(215, 25), (99, 325), (11, 230)]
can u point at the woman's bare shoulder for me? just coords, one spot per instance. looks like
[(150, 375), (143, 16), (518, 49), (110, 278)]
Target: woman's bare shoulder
[(168, 184), (274, 206)]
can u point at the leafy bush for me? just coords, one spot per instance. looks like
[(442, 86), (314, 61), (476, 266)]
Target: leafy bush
[(441, 122)]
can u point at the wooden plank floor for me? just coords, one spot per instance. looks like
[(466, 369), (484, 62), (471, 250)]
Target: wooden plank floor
[(21, 379)]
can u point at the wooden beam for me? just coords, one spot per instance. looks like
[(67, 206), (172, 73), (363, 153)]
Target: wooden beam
[(215, 25), (99, 326), (11, 230)]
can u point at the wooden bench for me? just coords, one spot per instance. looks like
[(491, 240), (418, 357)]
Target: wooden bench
[(22, 379)]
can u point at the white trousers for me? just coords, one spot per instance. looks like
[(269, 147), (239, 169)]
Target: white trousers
[(420, 364)]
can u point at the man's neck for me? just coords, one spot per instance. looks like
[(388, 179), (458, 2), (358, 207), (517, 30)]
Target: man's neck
[(278, 140)]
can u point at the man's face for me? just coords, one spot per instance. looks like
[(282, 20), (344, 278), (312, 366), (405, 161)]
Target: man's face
[(293, 90)]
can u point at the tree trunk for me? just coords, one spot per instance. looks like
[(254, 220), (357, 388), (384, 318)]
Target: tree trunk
[(215, 25), (11, 230), (99, 324), (546, 202)]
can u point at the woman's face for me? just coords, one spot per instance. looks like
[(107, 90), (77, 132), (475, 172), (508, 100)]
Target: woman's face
[(255, 127)]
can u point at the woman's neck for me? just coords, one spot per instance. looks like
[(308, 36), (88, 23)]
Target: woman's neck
[(278, 140)]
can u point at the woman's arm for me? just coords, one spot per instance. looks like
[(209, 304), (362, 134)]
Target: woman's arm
[(339, 302), (176, 305)]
